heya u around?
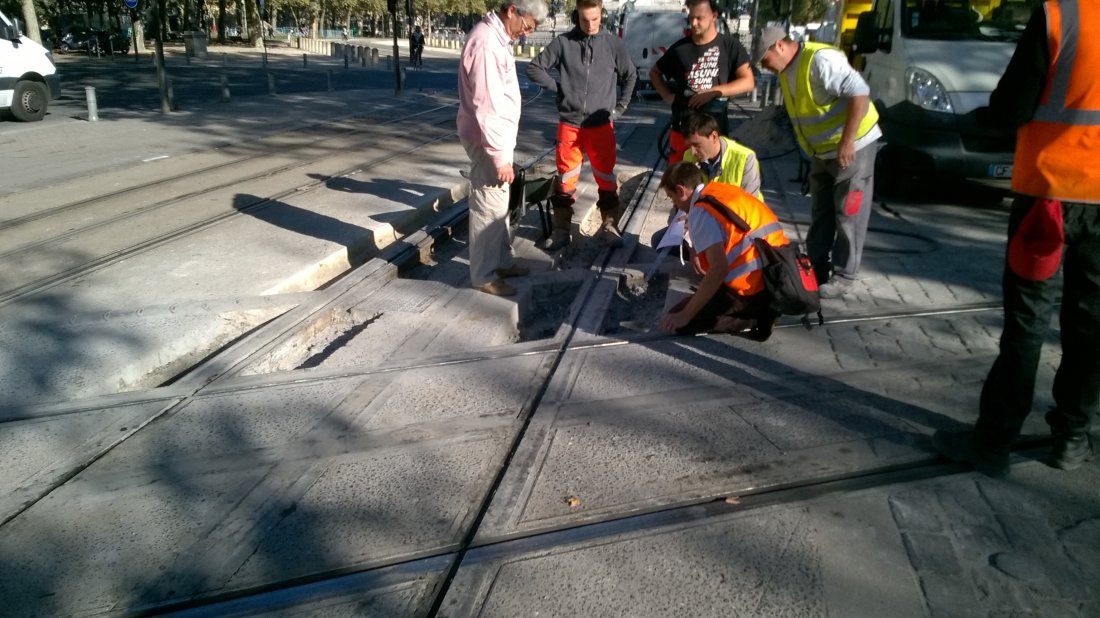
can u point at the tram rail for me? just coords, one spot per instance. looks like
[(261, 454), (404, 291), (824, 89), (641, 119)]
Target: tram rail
[(67, 274)]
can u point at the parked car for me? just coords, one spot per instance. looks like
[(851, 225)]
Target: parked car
[(94, 40)]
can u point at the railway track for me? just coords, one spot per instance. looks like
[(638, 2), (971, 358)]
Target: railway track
[(110, 211)]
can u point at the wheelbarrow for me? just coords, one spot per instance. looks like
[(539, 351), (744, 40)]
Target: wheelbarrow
[(526, 192)]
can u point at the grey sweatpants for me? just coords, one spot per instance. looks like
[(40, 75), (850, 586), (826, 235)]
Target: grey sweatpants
[(840, 211)]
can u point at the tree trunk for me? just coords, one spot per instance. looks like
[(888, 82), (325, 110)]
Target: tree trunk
[(221, 21), (255, 28), (241, 22), (30, 22)]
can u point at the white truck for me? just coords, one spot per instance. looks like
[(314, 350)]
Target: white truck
[(930, 64), (647, 34), (28, 77)]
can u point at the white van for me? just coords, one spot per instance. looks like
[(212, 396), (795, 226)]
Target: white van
[(28, 77), (930, 64), (647, 35)]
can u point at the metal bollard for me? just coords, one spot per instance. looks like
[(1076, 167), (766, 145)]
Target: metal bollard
[(304, 61), (374, 56), (345, 58), (271, 84), (171, 97), (225, 89), (330, 80), (363, 56), (93, 112)]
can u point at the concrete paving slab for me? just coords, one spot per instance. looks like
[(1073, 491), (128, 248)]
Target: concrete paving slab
[(402, 590), (958, 545), (239, 489), (837, 557), (53, 352), (37, 454), (637, 427)]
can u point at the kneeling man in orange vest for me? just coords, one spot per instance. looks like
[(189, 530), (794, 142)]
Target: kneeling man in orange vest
[(731, 297)]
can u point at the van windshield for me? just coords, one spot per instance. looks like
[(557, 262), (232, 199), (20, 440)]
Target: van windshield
[(981, 20)]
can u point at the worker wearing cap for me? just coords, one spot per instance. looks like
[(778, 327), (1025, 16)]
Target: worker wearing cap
[(1048, 91), (837, 126)]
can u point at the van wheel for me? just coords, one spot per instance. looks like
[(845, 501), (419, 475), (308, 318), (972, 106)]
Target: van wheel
[(29, 101)]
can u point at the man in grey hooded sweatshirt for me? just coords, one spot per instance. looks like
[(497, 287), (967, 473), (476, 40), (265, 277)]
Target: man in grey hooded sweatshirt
[(590, 63)]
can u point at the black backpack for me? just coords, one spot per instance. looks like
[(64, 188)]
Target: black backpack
[(788, 274)]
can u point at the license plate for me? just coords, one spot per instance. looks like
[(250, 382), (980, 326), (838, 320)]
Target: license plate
[(1003, 170)]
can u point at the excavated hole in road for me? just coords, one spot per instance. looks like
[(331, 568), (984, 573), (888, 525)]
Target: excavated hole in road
[(548, 307), (315, 342), (634, 310)]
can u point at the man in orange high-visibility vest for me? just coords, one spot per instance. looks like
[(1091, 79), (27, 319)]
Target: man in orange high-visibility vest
[(731, 296), (1049, 91)]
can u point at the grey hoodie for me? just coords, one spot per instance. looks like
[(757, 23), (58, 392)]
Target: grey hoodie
[(587, 69)]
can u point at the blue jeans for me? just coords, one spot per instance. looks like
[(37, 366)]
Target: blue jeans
[(1029, 306)]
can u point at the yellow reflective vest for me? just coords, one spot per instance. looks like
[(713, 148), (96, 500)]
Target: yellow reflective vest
[(732, 166), (818, 126)]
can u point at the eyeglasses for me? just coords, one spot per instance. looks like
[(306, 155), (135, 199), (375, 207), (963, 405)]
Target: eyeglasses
[(527, 29)]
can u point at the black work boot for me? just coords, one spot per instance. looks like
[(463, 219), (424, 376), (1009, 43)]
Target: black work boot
[(964, 448), (608, 203), (1070, 450), (560, 235)]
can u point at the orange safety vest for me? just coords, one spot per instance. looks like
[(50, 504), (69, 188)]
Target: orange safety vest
[(743, 261), (1058, 150)]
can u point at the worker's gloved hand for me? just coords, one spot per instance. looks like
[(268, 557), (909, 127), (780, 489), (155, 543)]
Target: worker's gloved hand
[(618, 112)]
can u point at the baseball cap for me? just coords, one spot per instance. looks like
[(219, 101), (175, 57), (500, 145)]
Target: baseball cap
[(768, 37)]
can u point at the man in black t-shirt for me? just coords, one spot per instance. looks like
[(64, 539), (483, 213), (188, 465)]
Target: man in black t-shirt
[(701, 72)]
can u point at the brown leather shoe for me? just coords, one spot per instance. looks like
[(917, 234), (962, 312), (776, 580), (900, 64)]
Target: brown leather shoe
[(497, 288), (513, 271)]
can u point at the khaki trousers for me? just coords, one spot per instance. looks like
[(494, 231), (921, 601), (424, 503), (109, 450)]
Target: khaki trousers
[(490, 237)]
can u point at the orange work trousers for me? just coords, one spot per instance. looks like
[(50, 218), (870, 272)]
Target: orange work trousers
[(596, 143), (677, 146)]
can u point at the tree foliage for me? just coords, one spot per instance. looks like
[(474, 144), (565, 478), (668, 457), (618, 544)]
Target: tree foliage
[(59, 15)]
